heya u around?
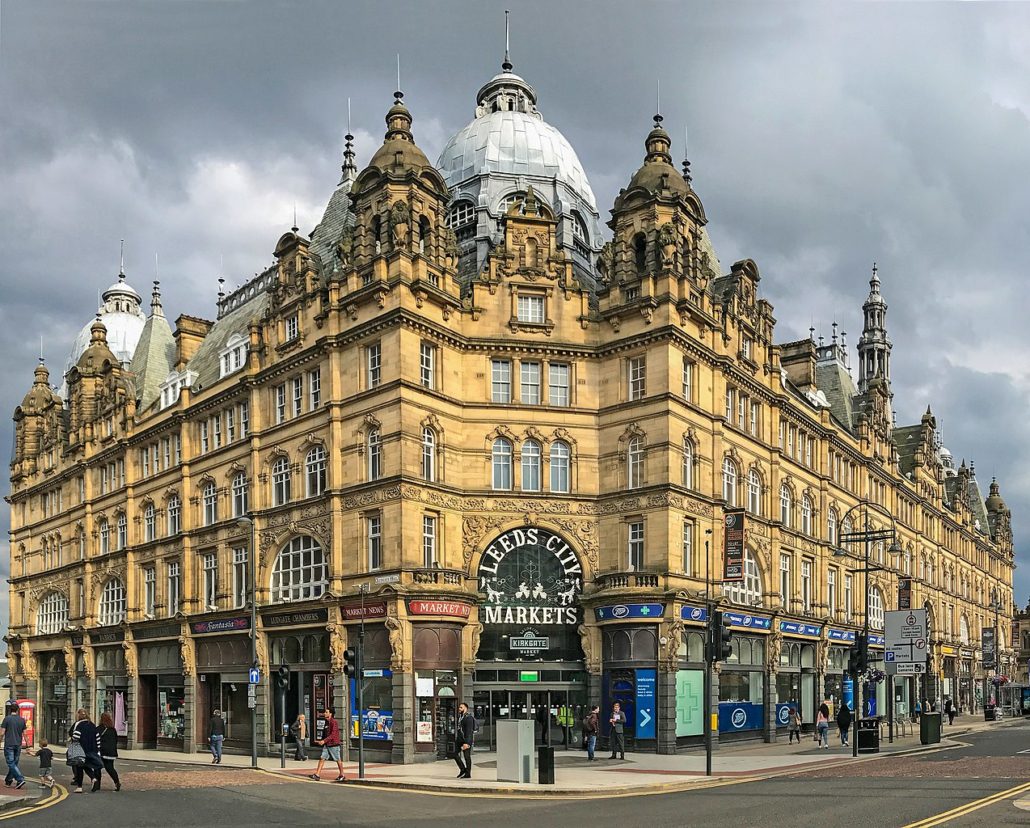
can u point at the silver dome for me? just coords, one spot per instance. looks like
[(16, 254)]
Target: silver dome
[(124, 319)]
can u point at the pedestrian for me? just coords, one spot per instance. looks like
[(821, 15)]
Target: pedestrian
[(299, 731), (590, 726), (46, 764), (84, 734), (107, 739), (12, 728), (543, 718), (949, 709), (822, 726), (844, 723), (918, 710), (330, 747), (793, 726), (617, 721), (464, 738), (216, 736)]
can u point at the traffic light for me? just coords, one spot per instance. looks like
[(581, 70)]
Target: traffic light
[(350, 663), (858, 655), (282, 677), (722, 635)]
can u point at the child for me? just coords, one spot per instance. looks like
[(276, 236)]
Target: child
[(46, 764)]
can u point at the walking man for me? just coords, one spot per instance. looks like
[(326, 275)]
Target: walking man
[(464, 737), (216, 736), (330, 747), (590, 727), (618, 722), (12, 728)]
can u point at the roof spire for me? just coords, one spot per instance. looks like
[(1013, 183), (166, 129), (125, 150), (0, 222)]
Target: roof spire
[(507, 64), (874, 282), (155, 300), (686, 161), (294, 228), (349, 168), (398, 95), (41, 360), (121, 262)]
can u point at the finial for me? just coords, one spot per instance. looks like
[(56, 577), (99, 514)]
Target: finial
[(686, 161), (822, 340), (398, 95), (41, 360), (506, 65), (121, 262), (294, 228), (843, 339), (834, 337), (221, 291), (875, 281), (811, 333), (155, 298), (658, 102)]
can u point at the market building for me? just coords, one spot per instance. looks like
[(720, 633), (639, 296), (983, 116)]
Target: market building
[(503, 447)]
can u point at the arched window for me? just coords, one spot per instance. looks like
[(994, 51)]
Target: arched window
[(300, 572), (149, 522), (786, 505), (210, 496), (112, 603), (123, 531), (831, 526), (314, 469), (640, 252), (174, 515), (531, 466), (240, 495), (729, 482), (52, 614), (428, 454), (688, 463), (754, 492), (510, 199), (560, 461), (635, 462), (281, 481), (105, 536), (806, 514), (845, 527), (460, 214), (501, 462), (423, 233), (749, 591), (875, 609), (375, 455), (579, 228)]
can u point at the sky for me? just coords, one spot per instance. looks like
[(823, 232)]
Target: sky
[(823, 137)]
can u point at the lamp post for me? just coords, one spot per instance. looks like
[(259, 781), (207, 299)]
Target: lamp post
[(709, 649), (248, 523), (996, 606), (867, 536)]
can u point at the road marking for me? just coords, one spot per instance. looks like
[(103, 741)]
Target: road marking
[(969, 807), (57, 794), (1018, 752)]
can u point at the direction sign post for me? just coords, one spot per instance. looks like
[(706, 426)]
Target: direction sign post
[(905, 641)]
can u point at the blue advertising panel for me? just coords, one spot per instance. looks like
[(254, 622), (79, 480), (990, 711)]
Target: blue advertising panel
[(754, 622), (647, 714), (848, 690), (735, 717), (697, 614), (375, 723), (846, 636), (870, 701), (783, 713), (616, 612), (875, 640), (797, 628)]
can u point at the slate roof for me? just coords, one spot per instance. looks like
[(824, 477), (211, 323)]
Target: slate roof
[(206, 361), (974, 499), (836, 383), (908, 439), (153, 359), (337, 215)]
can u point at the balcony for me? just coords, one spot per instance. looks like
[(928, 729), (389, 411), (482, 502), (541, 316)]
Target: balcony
[(626, 580), (441, 577)]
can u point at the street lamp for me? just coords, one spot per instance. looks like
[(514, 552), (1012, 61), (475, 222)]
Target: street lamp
[(248, 523), (996, 606), (868, 536), (709, 636)]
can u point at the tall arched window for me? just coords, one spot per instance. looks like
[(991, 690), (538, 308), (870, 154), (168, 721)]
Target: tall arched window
[(280, 481), (240, 495), (560, 461), (831, 526), (428, 454), (122, 538), (52, 614), (786, 505), (301, 571), (112, 603), (531, 466), (640, 252), (806, 514), (501, 462), (688, 463), (314, 471), (174, 515), (149, 522), (729, 481), (754, 492), (210, 496), (635, 462), (105, 536), (749, 591), (375, 455), (875, 609)]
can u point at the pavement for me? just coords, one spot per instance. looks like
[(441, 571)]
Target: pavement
[(575, 776)]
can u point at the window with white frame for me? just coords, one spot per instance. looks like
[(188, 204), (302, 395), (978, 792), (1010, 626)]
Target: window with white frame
[(230, 425), (635, 559), (754, 492), (240, 495), (785, 580), (375, 454), (786, 505), (460, 214), (531, 458), (174, 587), (244, 420), (529, 387), (560, 467), (149, 522), (558, 383), (752, 423), (216, 430), (730, 397), (314, 471), (122, 538), (500, 381), (233, 355), (174, 508), (298, 395), (501, 462), (530, 308), (831, 526), (300, 572), (637, 377), (427, 365), (280, 403), (374, 526), (831, 591), (875, 608), (105, 536), (52, 614), (428, 454), (806, 514), (314, 388), (806, 586), (209, 565), (687, 388), (688, 547), (149, 590), (729, 482), (240, 577), (429, 541), (210, 498), (374, 360), (635, 462), (292, 327), (747, 592), (848, 598), (281, 481), (205, 440), (688, 463)]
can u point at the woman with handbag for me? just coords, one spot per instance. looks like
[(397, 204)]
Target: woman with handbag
[(107, 738), (83, 754)]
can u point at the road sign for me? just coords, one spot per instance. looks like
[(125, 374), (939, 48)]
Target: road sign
[(909, 669), (905, 641), (255, 675)]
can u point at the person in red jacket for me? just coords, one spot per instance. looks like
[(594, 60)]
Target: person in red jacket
[(330, 747)]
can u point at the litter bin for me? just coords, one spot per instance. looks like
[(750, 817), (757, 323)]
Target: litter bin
[(930, 728), (545, 764), (990, 713), (868, 736)]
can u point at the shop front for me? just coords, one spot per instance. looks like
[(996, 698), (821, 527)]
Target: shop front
[(375, 718), (112, 683), (965, 681), (837, 684), (629, 652), (161, 696), (530, 662), (690, 677), (742, 678), (949, 682), (436, 659), (223, 666), (54, 688), (796, 672)]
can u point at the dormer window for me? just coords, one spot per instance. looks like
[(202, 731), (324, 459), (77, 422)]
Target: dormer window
[(234, 355), (531, 308), (292, 328), (460, 214), (174, 384)]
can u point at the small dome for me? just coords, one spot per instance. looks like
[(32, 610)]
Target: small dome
[(41, 395), (399, 149), (658, 173), (123, 320)]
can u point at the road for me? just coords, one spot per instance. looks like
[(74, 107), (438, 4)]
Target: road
[(893, 791)]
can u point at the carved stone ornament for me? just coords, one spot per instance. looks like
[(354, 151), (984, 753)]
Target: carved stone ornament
[(395, 629), (590, 651), (188, 658), (337, 646), (130, 658)]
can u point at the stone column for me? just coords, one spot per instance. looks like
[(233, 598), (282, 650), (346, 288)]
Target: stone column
[(403, 719), (666, 693)]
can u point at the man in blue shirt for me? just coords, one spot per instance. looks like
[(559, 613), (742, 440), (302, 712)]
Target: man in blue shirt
[(12, 728)]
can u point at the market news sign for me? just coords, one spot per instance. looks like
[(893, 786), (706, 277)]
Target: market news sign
[(733, 546)]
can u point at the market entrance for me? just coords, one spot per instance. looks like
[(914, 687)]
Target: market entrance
[(556, 712)]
